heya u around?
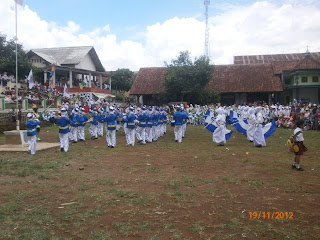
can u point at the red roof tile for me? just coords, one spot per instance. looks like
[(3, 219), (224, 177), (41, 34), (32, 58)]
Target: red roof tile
[(148, 80), (279, 66), (245, 78), (307, 63)]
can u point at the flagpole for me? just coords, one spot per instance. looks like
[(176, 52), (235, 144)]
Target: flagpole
[(17, 95)]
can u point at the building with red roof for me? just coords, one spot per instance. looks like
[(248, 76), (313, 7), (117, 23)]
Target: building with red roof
[(270, 78)]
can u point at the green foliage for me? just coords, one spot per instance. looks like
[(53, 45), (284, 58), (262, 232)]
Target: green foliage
[(119, 97), (186, 80), (8, 58), (159, 96), (122, 79)]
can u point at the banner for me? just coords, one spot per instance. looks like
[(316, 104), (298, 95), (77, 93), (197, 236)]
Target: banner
[(30, 79), (65, 91)]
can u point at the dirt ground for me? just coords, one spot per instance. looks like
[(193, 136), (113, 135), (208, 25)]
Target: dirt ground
[(162, 190)]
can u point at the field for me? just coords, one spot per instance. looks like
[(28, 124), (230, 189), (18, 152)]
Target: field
[(163, 190)]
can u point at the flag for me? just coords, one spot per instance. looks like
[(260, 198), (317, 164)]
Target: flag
[(20, 2), (51, 76), (65, 91), (30, 79)]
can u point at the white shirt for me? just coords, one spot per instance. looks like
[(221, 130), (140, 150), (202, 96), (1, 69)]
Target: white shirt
[(299, 137)]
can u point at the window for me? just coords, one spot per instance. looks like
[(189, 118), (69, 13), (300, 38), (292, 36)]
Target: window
[(315, 79), (304, 79), (287, 81)]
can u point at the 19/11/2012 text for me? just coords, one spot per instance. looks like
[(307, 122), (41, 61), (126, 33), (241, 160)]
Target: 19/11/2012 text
[(270, 215)]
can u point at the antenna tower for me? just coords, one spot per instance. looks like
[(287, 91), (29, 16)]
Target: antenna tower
[(206, 43)]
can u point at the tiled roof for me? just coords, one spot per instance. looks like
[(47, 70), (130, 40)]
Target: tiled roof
[(279, 66), (307, 63), (258, 59), (148, 80), (68, 55), (226, 78), (245, 78)]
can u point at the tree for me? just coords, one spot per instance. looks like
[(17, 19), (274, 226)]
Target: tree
[(122, 79), (186, 80), (8, 58)]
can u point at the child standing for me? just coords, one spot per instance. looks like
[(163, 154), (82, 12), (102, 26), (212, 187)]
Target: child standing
[(298, 138)]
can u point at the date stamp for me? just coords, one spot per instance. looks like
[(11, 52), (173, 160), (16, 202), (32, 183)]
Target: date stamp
[(270, 215)]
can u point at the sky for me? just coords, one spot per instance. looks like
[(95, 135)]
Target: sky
[(146, 33)]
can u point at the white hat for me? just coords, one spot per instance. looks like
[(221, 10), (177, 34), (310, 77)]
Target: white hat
[(29, 115)]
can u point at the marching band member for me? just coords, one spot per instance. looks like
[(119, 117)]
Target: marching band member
[(184, 121), (141, 130), (178, 121), (75, 121), (258, 136), (155, 124), (63, 123), (165, 120), (102, 116), (149, 125), (130, 120), (251, 124), (32, 132), (219, 135), (111, 120), (83, 119), (93, 129)]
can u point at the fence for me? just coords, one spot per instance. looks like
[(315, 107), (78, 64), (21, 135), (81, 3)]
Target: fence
[(27, 104)]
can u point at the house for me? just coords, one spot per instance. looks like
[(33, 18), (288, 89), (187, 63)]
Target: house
[(73, 66), (270, 78), (299, 74)]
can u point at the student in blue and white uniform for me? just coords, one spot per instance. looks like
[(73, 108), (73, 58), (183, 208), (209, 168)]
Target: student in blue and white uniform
[(178, 118), (102, 116), (155, 119), (111, 121), (32, 132), (141, 130), (63, 123), (130, 132), (184, 121), (93, 129), (75, 121), (149, 123)]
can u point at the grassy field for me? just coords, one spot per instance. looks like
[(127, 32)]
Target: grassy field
[(163, 190)]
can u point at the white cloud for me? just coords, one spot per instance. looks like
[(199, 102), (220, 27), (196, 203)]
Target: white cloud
[(265, 27), (107, 28)]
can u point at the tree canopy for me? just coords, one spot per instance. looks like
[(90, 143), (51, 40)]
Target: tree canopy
[(122, 79), (186, 80), (8, 58)]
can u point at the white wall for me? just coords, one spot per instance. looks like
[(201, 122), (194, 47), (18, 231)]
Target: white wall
[(37, 62), (87, 64)]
